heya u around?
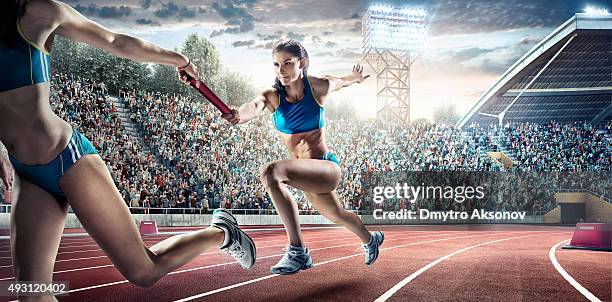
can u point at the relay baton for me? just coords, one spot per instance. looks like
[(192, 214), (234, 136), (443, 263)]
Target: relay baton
[(207, 93)]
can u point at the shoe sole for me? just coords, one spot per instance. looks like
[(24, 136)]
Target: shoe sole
[(252, 244), (308, 264)]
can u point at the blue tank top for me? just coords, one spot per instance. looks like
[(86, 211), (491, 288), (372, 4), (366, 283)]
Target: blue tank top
[(24, 64), (303, 116)]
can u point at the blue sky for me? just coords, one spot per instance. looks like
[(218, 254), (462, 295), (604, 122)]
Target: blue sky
[(469, 43)]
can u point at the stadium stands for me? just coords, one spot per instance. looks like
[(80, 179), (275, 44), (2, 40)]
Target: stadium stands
[(196, 161)]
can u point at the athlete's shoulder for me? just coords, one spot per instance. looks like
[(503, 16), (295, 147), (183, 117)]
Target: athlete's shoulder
[(270, 97), (46, 9), (270, 92), (315, 80), (320, 85), (45, 6)]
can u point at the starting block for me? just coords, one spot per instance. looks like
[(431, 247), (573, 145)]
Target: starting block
[(148, 227), (592, 236)]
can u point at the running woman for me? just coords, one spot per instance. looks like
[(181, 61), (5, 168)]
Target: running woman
[(57, 166), (297, 101)]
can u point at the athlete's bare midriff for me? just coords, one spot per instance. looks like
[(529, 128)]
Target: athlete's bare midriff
[(29, 129), (309, 144)]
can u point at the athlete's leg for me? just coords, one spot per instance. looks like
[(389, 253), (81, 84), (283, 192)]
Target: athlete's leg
[(37, 223), (104, 214), (329, 205), (318, 178), (283, 202)]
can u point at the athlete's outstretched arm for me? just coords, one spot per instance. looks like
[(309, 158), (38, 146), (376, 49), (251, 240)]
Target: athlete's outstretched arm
[(336, 83), (71, 24), (252, 109)]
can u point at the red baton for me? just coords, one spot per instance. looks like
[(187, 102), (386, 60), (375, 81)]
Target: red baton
[(207, 93)]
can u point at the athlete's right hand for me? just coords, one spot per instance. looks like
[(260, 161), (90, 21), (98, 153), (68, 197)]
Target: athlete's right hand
[(6, 172), (232, 118), (191, 70)]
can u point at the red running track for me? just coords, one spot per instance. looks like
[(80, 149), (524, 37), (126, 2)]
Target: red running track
[(417, 263)]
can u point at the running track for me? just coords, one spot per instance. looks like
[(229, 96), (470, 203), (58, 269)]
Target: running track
[(417, 263)]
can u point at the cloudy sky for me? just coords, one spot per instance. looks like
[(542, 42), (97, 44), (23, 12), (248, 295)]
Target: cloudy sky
[(469, 43)]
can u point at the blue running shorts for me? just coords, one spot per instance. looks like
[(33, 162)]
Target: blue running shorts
[(48, 176)]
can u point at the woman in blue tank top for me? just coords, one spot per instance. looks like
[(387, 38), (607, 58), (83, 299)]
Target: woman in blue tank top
[(297, 104), (57, 166)]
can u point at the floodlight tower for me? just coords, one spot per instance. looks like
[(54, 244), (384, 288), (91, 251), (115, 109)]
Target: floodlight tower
[(392, 40)]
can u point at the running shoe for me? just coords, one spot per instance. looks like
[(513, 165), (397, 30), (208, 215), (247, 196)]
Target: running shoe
[(237, 243), (372, 248), (295, 259)]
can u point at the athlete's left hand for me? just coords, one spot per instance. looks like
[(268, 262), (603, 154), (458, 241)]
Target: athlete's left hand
[(358, 73)]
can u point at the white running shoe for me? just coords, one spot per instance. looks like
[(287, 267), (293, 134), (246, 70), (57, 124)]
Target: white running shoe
[(294, 260), (237, 243), (371, 249)]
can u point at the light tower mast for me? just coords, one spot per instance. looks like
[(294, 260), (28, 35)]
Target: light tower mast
[(392, 40)]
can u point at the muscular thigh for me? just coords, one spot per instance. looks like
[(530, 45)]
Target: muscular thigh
[(37, 224), (102, 211), (310, 175)]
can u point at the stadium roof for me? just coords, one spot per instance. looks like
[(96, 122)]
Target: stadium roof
[(575, 86)]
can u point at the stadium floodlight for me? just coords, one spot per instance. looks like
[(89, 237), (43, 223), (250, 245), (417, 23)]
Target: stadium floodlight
[(393, 37), (595, 11), (391, 28)]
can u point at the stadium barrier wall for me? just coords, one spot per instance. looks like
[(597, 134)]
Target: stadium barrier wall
[(204, 220)]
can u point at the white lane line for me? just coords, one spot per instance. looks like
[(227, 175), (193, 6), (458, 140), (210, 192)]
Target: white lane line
[(412, 276), (257, 242), (319, 264), (207, 253), (152, 240), (156, 238), (67, 260), (76, 252), (5, 237), (553, 258), (219, 252), (259, 258), (63, 248), (226, 288)]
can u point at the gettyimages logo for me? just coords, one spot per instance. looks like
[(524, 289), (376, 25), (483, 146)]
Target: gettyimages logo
[(458, 194), (413, 193), (461, 196)]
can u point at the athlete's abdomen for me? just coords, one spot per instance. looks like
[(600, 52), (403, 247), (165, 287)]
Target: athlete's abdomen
[(28, 127), (309, 144)]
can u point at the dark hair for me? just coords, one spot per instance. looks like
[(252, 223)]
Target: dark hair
[(10, 12), (295, 48)]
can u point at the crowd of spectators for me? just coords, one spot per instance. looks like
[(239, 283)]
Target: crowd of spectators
[(189, 158), (558, 147)]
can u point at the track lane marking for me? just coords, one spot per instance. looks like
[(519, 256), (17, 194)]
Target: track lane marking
[(322, 263), (553, 259), (230, 263), (412, 276)]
